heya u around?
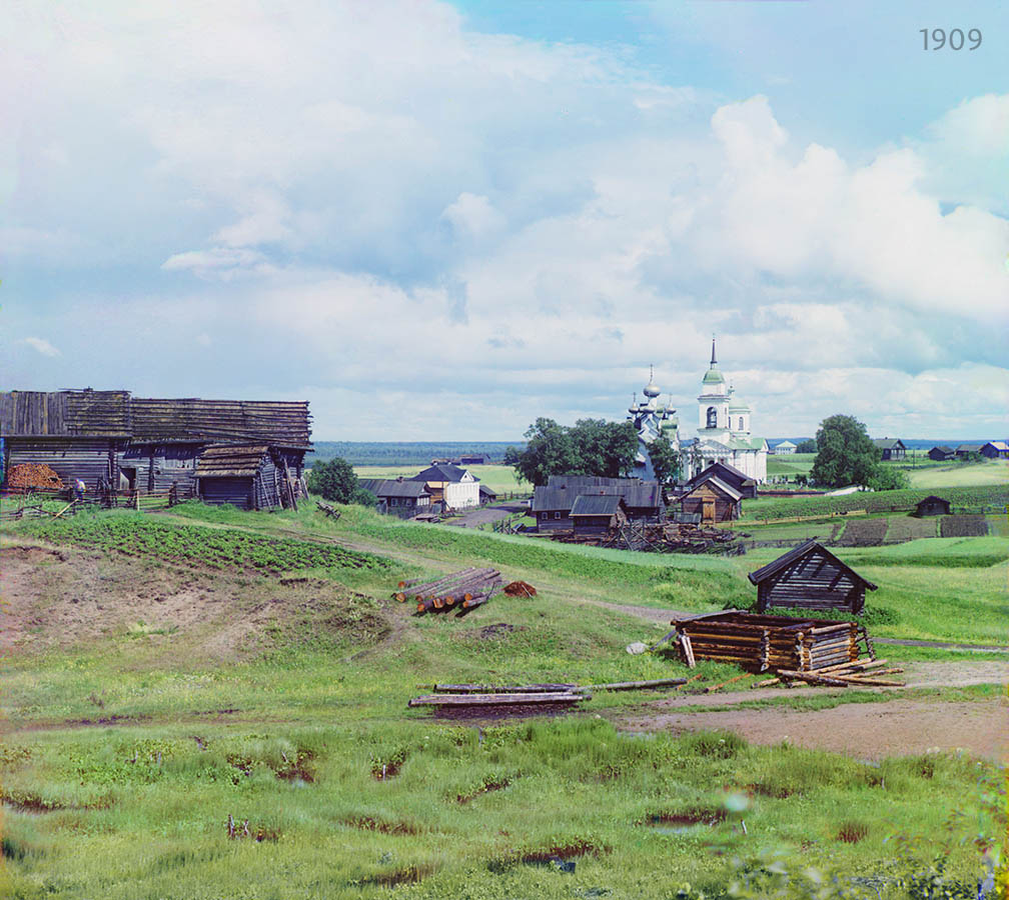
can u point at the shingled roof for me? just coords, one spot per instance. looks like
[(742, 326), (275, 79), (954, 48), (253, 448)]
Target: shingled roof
[(86, 413), (797, 553), (65, 413), (231, 461), (596, 505)]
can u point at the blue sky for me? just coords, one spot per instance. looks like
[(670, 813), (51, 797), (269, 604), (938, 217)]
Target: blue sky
[(442, 220)]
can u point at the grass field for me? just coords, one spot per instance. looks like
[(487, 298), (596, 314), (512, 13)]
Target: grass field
[(170, 671), (500, 478), (995, 472)]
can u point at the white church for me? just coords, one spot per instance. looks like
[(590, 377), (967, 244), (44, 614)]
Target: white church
[(723, 429)]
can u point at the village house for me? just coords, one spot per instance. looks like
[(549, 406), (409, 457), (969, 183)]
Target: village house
[(996, 450), (597, 513), (963, 451), (399, 496), (553, 502), (783, 448), (890, 448), (941, 453), (452, 486)]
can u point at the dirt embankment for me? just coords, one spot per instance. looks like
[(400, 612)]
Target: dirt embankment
[(67, 597)]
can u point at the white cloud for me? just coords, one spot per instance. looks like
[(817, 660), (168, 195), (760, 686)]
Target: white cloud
[(41, 345), (484, 210)]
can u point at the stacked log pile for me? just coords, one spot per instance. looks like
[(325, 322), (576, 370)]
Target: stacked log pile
[(762, 643), (866, 673), (668, 537), (462, 591)]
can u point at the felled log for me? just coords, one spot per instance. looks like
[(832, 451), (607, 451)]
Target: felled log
[(634, 685), (498, 699), (503, 689), (715, 687), (812, 679)]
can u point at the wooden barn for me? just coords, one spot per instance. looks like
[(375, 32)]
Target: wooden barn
[(78, 434), (810, 577), (941, 453), (713, 500), (597, 513), (963, 451), (112, 439), (932, 506)]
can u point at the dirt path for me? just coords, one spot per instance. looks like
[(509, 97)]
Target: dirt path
[(900, 727)]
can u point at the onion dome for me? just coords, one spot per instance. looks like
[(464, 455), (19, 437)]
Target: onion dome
[(651, 389)]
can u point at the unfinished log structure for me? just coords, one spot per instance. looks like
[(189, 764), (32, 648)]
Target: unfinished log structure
[(113, 440), (811, 577), (760, 643)]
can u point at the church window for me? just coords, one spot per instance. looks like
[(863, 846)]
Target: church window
[(740, 423), (712, 417)]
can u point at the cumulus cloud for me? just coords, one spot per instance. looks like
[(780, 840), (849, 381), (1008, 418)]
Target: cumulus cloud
[(484, 210), (41, 345)]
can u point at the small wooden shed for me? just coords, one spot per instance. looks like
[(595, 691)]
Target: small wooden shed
[(714, 500), (810, 577), (941, 453), (933, 506), (243, 475), (598, 513)]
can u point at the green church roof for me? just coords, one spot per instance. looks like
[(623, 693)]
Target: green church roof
[(713, 376)]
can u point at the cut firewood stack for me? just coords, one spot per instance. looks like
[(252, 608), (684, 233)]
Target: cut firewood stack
[(461, 591), (33, 475), (817, 651)]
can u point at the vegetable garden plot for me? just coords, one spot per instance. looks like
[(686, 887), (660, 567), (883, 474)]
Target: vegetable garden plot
[(212, 547), (963, 526)]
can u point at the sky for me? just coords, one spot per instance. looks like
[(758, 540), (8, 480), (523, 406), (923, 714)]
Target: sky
[(440, 221)]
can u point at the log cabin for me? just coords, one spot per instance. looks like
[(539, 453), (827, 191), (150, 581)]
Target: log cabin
[(932, 506), (598, 513), (714, 500), (810, 577)]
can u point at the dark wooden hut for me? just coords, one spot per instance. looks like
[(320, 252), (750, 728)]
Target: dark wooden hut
[(552, 508), (399, 496), (933, 506), (244, 475), (730, 475), (811, 577), (597, 513), (941, 453), (713, 500), (996, 450)]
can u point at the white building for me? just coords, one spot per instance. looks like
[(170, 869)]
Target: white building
[(783, 448), (451, 485), (724, 430)]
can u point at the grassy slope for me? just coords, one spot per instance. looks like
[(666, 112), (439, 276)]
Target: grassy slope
[(340, 710)]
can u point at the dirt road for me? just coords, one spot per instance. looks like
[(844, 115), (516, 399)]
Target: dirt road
[(900, 727)]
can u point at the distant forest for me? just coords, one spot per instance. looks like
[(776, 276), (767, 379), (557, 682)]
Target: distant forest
[(412, 453), (407, 453)]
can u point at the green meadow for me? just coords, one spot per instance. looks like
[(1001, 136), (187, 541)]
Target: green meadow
[(172, 671)]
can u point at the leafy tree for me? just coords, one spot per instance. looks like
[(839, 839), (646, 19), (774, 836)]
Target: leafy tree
[(665, 460), (845, 453), (889, 478), (590, 447), (806, 446), (604, 448), (335, 480)]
